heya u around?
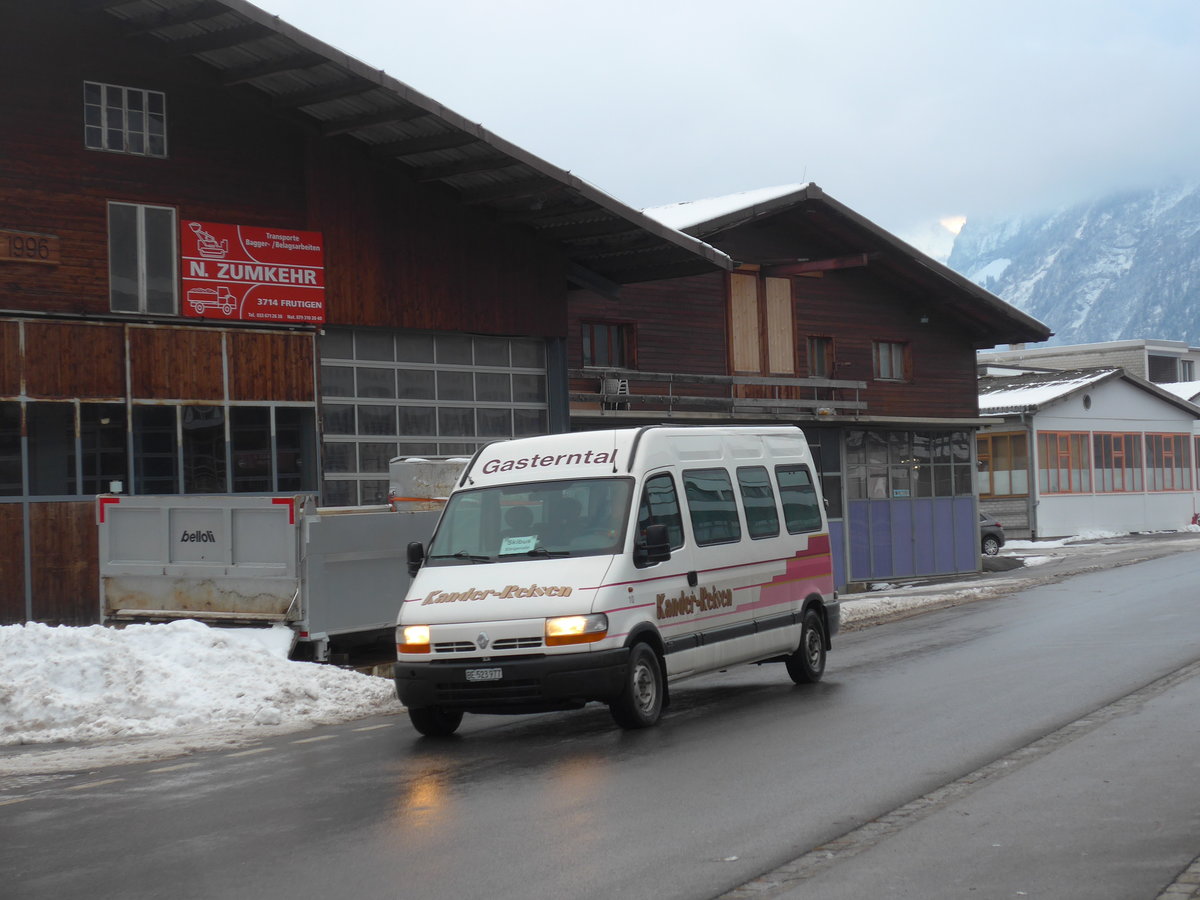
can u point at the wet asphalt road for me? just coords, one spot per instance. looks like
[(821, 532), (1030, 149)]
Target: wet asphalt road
[(1042, 744)]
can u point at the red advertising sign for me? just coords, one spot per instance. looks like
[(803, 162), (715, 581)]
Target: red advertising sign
[(252, 274)]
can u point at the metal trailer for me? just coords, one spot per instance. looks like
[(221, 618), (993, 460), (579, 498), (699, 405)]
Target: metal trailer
[(328, 574)]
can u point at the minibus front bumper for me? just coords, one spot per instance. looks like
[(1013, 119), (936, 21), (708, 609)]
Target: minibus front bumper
[(513, 684)]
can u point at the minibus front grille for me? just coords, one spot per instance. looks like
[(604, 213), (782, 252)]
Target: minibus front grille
[(453, 647), (516, 691), (519, 643)]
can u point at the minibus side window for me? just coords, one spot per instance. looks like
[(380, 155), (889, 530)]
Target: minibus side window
[(712, 506), (801, 509), (660, 506), (758, 500)]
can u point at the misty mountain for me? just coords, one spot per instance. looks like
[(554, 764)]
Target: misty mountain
[(1124, 266)]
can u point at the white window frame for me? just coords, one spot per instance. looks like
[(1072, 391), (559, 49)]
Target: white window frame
[(142, 275), (890, 360), (133, 124)]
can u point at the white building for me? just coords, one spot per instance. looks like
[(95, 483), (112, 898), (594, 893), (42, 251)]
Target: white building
[(1085, 450), (1153, 360)]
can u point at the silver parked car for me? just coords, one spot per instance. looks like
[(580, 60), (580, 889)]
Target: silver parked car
[(991, 535)]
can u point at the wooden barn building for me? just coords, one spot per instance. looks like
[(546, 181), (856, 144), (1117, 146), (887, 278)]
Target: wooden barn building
[(233, 259), (829, 322)]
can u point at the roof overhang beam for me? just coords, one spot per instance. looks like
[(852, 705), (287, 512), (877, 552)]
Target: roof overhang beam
[(465, 167), (221, 40), (513, 190), (810, 266), (184, 15), (342, 89), (445, 140), (394, 116), (293, 62), (590, 281)]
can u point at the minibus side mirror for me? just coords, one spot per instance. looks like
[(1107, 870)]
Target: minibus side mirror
[(658, 544), (416, 556)]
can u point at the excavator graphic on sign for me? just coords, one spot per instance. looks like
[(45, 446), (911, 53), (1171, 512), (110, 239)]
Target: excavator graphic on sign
[(207, 245)]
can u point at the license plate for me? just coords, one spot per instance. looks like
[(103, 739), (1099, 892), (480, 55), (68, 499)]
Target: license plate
[(484, 674)]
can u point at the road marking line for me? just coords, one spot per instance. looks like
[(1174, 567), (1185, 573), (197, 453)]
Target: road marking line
[(14, 800), (374, 727), (251, 752), (175, 768), (92, 784), (313, 740)]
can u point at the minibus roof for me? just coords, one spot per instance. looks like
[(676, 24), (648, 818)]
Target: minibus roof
[(624, 451)]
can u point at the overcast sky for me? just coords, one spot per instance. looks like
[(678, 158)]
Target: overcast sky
[(909, 112)]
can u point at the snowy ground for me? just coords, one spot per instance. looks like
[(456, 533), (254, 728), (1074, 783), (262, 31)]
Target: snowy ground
[(74, 698)]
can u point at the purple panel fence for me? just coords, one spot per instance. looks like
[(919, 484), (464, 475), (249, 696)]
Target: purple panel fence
[(966, 532), (923, 532), (837, 546), (903, 539), (908, 537), (858, 520), (944, 553)]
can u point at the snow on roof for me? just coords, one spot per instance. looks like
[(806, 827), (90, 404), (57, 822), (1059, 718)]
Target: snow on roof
[(1027, 393), (693, 212), (1184, 390)]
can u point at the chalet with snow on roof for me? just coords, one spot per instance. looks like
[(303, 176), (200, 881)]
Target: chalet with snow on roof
[(829, 322)]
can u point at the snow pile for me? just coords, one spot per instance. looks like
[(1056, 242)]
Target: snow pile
[(96, 683), (879, 609)]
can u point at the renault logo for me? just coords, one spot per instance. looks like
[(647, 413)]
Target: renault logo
[(482, 641)]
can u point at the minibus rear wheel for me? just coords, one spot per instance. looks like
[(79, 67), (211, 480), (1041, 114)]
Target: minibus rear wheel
[(807, 664), (640, 702), (435, 721)]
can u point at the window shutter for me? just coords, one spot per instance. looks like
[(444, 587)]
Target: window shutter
[(743, 320), (781, 353)]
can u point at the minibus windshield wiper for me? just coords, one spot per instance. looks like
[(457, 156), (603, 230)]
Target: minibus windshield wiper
[(542, 551), (462, 554)]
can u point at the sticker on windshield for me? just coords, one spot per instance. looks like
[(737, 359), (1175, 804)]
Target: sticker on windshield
[(518, 544)]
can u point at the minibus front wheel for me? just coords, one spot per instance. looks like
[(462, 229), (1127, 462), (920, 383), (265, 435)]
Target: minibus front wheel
[(807, 664), (435, 721), (640, 703)]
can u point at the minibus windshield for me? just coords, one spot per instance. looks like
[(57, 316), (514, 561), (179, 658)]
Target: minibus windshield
[(545, 519)]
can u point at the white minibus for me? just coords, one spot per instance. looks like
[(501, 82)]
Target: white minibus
[(606, 565)]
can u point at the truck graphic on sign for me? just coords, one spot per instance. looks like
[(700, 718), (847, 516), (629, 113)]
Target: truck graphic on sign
[(202, 298)]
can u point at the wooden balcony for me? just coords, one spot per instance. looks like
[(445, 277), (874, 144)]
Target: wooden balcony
[(637, 396)]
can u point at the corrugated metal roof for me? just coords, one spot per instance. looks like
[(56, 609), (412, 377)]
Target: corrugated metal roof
[(340, 95)]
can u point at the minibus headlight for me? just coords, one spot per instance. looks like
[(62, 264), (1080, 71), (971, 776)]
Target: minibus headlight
[(576, 629), (413, 639)]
